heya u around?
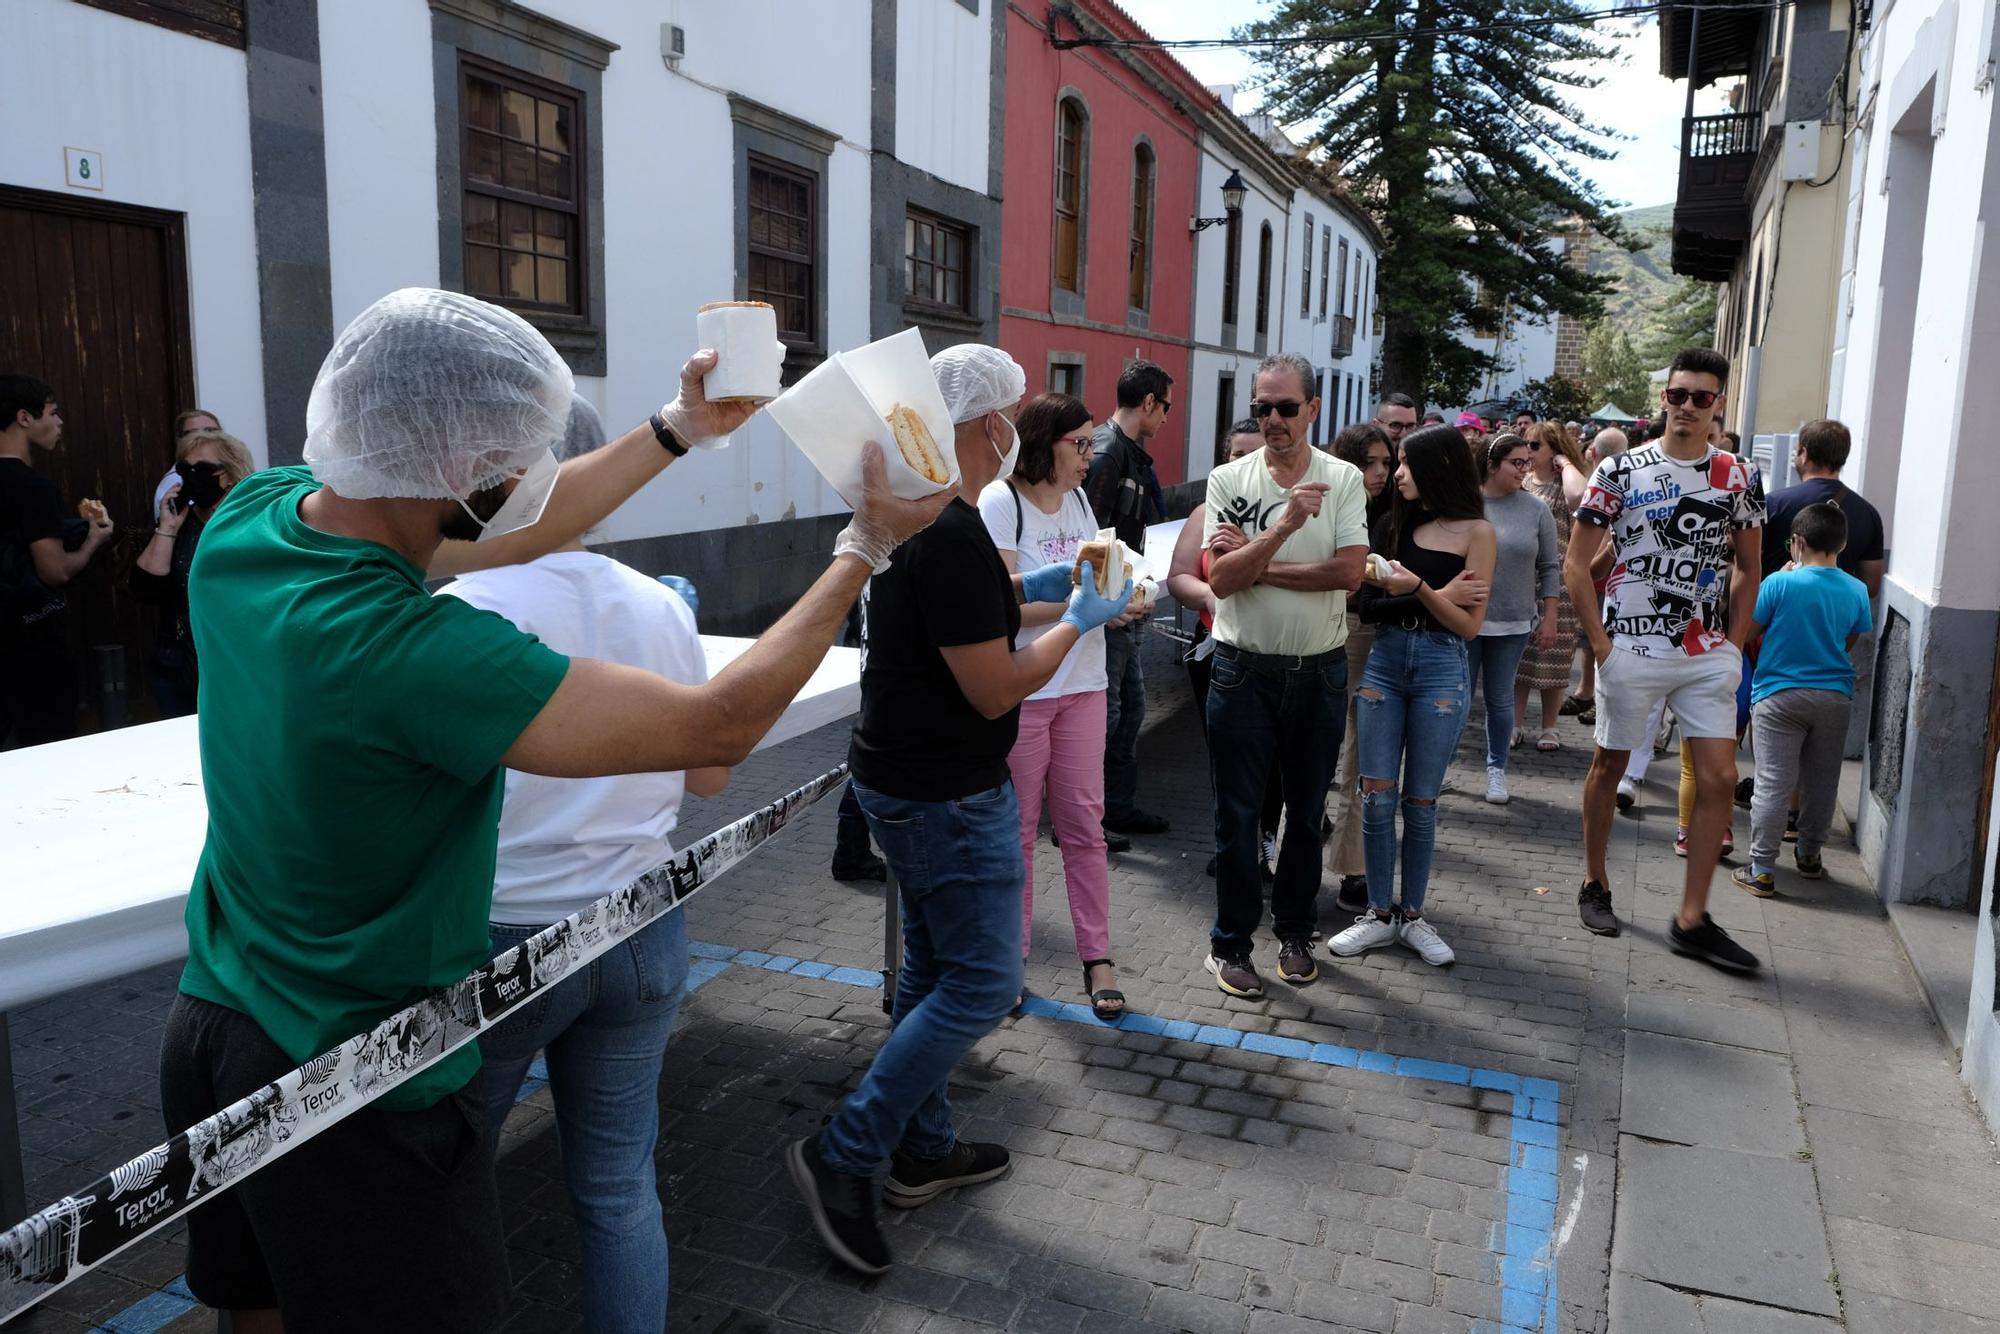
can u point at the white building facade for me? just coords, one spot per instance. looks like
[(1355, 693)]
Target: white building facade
[(1915, 373), (1293, 272), (603, 166)]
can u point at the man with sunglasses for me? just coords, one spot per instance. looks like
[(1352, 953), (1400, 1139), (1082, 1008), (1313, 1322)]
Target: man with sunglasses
[(1125, 494), (1287, 535), (1682, 518)]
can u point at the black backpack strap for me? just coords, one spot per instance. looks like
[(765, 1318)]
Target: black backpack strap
[(1020, 517)]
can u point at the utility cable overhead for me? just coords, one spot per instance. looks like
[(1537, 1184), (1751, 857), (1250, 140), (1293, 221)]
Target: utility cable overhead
[(1403, 34)]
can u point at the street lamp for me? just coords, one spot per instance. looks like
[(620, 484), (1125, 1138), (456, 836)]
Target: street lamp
[(1233, 191)]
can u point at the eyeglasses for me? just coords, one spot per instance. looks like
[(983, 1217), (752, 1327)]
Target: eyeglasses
[(1286, 408), (1702, 398), (1393, 428), (1521, 464), (1082, 444)]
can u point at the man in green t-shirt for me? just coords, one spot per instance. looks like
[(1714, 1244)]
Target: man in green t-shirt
[(354, 731)]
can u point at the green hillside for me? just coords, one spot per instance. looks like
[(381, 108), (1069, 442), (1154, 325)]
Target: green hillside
[(1648, 301)]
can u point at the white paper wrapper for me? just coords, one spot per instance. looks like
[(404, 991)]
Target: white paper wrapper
[(845, 402), (749, 358)]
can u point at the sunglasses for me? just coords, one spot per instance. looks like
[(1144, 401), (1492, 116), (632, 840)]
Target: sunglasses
[(1702, 398), (1286, 408)]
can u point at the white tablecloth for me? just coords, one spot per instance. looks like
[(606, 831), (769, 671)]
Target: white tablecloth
[(99, 837)]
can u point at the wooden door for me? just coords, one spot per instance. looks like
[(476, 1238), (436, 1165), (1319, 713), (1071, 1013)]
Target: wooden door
[(93, 299)]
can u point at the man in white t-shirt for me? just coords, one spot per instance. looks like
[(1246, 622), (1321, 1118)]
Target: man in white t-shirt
[(1682, 518), (1287, 536), (564, 843)]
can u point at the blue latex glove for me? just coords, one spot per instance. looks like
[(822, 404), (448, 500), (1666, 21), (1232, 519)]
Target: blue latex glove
[(684, 588), (1088, 609), (1049, 583)]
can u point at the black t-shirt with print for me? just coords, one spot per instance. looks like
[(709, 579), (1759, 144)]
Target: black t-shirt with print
[(31, 509), (919, 738), (1864, 524)]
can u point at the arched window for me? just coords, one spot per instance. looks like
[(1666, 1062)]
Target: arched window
[(1070, 130), (1139, 295), (1264, 280)]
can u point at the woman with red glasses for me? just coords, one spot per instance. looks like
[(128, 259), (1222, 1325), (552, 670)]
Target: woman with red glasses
[(1557, 474)]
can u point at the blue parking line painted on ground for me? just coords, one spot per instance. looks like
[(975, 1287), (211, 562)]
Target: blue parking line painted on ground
[(1523, 1246), (1530, 1182), (152, 1312)]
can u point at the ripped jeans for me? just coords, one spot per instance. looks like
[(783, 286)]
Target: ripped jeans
[(1410, 709)]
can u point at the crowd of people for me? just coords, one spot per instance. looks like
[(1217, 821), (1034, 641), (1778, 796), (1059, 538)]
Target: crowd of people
[(434, 778)]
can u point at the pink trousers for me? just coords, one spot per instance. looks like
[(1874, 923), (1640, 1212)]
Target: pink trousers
[(1061, 751)]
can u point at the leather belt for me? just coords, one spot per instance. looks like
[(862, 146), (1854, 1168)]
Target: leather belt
[(1279, 662)]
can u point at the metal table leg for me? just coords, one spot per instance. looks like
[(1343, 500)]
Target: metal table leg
[(892, 940), (13, 1176)]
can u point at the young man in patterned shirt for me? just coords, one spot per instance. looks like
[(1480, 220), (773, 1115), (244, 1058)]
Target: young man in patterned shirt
[(1682, 518)]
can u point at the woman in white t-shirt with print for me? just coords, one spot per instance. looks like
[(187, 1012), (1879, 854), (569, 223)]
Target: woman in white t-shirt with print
[(1037, 516)]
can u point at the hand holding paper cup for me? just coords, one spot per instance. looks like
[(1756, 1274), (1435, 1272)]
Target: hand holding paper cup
[(749, 359)]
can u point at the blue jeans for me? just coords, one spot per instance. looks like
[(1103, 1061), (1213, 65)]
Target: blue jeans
[(1410, 709), (1492, 662), (605, 1031), (1124, 711), (958, 867), (1258, 712)]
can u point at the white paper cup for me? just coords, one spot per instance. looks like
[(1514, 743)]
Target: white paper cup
[(750, 360)]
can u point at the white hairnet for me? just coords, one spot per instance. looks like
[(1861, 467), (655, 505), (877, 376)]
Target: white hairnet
[(976, 379), (433, 395), (585, 432)]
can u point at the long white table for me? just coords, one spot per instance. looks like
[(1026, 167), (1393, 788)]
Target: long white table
[(102, 835)]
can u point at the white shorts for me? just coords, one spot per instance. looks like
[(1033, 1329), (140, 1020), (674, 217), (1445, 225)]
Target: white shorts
[(1700, 690)]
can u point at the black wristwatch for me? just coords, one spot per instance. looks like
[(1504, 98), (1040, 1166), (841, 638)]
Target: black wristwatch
[(665, 435)]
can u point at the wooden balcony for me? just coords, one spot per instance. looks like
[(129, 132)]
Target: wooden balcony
[(1711, 207)]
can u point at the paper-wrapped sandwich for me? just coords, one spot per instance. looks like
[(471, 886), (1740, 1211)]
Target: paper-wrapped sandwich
[(1109, 562), (913, 438)]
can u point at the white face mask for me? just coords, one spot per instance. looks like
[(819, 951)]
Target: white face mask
[(1012, 453), (525, 504)]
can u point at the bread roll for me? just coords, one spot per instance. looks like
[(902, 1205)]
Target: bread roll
[(919, 450), (1099, 556)]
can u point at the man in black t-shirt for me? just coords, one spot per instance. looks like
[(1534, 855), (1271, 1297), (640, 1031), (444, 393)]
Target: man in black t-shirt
[(37, 676), (941, 692)]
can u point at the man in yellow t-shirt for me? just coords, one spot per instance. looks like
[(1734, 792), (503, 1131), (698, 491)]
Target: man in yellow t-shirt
[(1287, 537)]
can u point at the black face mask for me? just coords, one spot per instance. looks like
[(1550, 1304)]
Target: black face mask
[(201, 484)]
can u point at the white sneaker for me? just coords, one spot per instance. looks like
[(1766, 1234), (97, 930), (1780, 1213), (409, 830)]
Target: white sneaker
[(1367, 933), (1496, 786), (1422, 937), (1628, 794)]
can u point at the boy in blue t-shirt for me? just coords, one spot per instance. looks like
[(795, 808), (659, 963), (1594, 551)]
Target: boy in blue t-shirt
[(1811, 612)]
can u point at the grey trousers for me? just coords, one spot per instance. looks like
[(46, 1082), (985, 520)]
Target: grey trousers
[(1799, 737)]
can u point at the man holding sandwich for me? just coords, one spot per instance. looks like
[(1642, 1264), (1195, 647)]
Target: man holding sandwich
[(941, 692), (353, 768)]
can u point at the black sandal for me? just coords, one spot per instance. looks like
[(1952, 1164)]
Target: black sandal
[(1108, 1005)]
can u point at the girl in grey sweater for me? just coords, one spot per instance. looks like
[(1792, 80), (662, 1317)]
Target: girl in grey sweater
[(1527, 580)]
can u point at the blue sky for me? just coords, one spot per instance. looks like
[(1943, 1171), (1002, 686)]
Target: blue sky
[(1636, 102)]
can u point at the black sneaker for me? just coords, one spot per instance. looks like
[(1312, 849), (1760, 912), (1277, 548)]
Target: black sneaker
[(1135, 821), (1593, 908), (1711, 943), (1295, 961), (1587, 715), (1236, 976), (1573, 706), (1112, 842), (842, 1208), (1744, 791), (1352, 896), (870, 868), (1809, 865), (1792, 827), (914, 1181)]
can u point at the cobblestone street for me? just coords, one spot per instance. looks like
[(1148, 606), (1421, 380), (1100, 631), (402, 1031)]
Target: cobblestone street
[(1557, 1133)]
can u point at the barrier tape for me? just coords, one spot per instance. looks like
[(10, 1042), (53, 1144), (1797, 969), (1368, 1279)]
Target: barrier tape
[(59, 1244)]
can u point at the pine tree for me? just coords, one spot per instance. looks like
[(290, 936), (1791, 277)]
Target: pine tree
[(1460, 134), (1613, 370), (1685, 319)]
